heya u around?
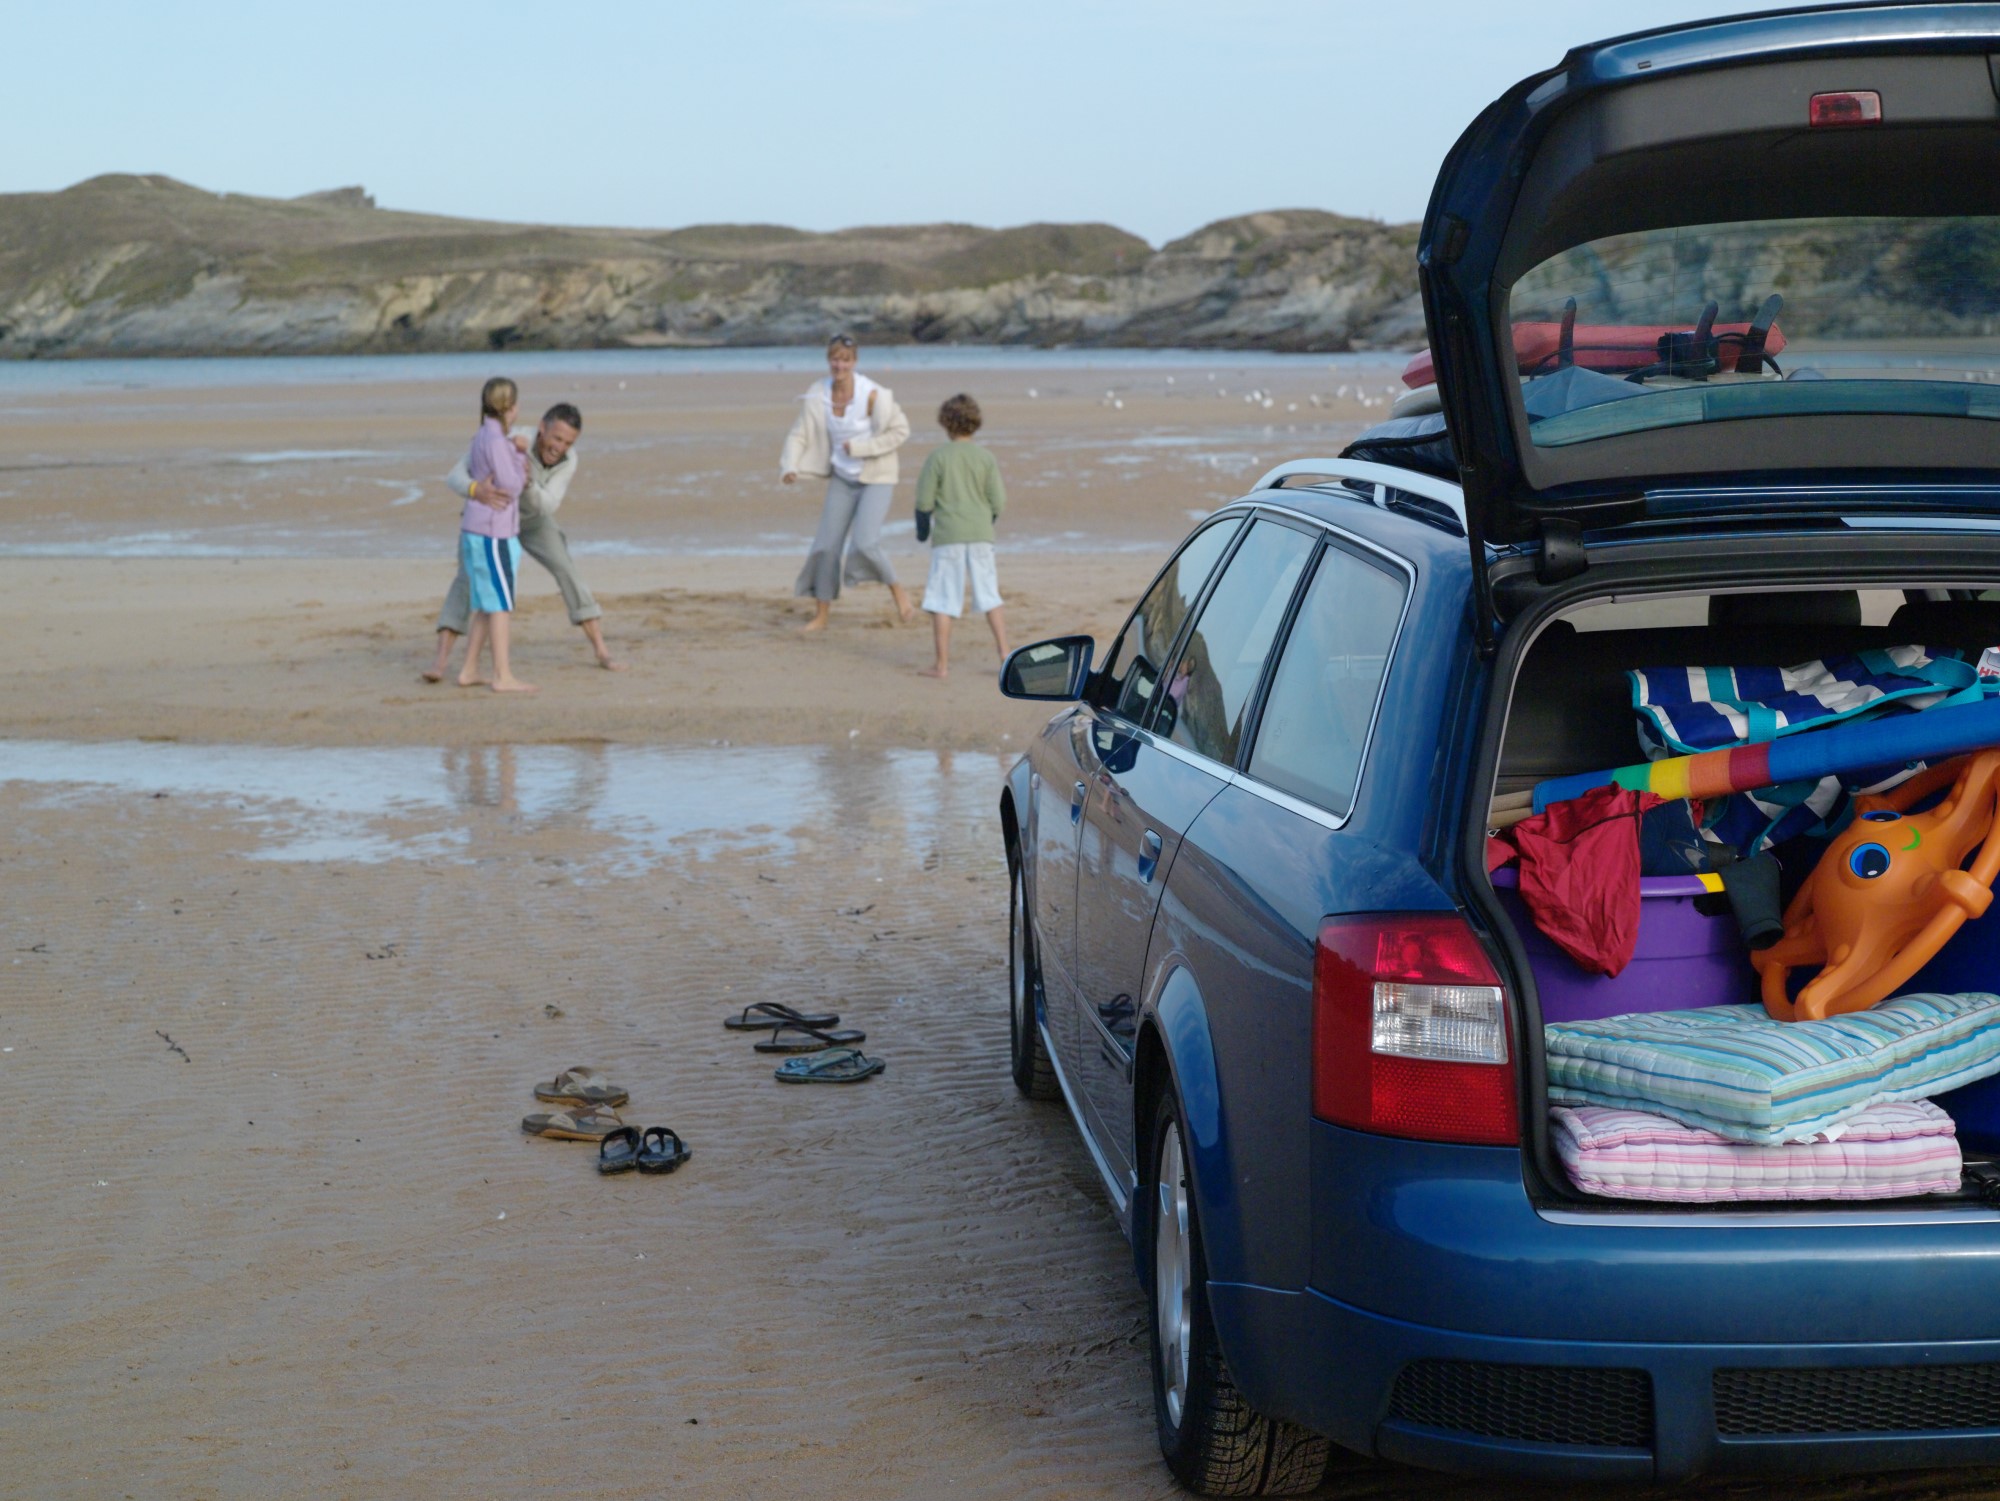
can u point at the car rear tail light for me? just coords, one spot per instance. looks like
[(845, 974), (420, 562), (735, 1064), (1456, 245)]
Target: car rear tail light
[(1848, 107), (1410, 1031)]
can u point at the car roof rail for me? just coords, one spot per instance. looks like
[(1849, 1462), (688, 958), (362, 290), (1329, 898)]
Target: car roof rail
[(1382, 485)]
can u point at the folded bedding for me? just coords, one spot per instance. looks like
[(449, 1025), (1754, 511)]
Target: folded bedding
[(1738, 1072), (1887, 1151)]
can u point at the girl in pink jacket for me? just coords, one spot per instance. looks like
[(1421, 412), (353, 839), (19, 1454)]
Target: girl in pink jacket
[(489, 533)]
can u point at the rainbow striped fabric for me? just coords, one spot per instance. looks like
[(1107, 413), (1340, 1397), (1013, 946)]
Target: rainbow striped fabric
[(1842, 749)]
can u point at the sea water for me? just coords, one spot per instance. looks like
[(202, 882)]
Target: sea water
[(27, 378)]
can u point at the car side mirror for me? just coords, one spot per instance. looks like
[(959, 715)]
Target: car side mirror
[(1055, 669)]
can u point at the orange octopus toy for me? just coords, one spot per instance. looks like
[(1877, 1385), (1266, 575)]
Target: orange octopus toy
[(1889, 892)]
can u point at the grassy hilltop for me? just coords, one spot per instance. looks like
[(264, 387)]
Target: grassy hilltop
[(125, 265)]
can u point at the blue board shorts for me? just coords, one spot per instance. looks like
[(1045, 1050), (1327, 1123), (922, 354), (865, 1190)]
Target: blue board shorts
[(490, 564)]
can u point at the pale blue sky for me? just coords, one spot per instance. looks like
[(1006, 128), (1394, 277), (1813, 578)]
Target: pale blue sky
[(1157, 115)]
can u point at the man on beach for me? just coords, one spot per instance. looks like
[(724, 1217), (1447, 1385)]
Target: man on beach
[(552, 465)]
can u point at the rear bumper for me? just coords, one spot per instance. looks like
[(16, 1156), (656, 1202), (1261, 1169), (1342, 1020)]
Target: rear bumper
[(1335, 1369)]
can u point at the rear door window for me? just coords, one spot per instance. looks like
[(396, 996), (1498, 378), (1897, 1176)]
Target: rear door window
[(1209, 690), (1131, 675), (1316, 718)]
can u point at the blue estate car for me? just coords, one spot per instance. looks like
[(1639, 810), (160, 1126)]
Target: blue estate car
[(1714, 315)]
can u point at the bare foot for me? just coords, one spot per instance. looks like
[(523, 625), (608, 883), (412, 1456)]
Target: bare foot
[(810, 626), (933, 672), (610, 664), (432, 674), (513, 685), (465, 682)]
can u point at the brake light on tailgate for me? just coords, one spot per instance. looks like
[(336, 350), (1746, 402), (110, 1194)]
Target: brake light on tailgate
[(1844, 110), (1410, 1028)]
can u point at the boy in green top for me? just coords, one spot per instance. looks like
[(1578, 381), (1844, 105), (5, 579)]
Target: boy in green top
[(959, 496)]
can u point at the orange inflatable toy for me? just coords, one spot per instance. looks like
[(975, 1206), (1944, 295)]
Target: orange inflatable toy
[(1889, 892)]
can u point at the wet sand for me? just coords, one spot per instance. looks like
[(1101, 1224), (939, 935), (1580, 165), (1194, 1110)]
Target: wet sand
[(273, 998)]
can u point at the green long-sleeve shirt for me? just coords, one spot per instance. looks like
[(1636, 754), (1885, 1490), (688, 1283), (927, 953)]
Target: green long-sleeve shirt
[(960, 486)]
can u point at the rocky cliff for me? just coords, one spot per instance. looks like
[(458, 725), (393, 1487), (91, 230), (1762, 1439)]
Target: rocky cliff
[(127, 265)]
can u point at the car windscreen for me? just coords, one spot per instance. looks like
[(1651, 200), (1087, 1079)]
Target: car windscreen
[(1700, 324)]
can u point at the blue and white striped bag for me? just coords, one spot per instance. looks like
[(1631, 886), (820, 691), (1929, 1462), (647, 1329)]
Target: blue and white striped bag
[(1687, 709), (1683, 710)]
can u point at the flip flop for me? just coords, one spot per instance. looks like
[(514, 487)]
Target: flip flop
[(581, 1086), (661, 1150), (766, 1016), (794, 1038), (619, 1151), (839, 1066), (580, 1123)]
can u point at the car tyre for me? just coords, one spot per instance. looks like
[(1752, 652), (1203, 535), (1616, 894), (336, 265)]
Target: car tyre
[(1215, 1442), (1027, 1056)]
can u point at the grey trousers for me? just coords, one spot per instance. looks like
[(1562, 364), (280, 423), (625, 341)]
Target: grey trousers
[(542, 540), (853, 516)]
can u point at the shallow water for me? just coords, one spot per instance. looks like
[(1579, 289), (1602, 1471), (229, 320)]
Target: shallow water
[(372, 804), (43, 377)]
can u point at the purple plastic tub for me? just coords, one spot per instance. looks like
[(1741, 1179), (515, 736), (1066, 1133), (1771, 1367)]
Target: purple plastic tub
[(1683, 959)]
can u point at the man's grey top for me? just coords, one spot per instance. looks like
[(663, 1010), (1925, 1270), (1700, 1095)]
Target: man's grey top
[(547, 483)]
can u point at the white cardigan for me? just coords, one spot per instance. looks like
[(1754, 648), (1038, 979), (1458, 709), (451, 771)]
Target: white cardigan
[(808, 451)]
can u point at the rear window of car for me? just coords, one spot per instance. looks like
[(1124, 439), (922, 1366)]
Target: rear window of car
[(1707, 323), (1321, 706)]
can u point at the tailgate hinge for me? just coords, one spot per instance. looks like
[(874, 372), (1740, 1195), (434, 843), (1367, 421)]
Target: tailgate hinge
[(1562, 555)]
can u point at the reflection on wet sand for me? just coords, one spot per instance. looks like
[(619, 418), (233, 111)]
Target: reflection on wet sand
[(375, 803)]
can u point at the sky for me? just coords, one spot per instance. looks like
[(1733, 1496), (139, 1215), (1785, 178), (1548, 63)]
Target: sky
[(1155, 115)]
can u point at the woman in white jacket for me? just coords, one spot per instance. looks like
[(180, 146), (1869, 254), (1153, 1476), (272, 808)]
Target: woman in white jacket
[(847, 432)]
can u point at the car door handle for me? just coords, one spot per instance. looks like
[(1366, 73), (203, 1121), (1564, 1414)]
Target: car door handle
[(1076, 796), (1149, 856)]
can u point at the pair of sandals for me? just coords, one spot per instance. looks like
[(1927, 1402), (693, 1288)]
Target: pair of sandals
[(834, 1057), (589, 1100), (654, 1150)]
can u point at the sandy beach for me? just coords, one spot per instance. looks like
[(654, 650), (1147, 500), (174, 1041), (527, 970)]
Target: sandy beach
[(290, 935)]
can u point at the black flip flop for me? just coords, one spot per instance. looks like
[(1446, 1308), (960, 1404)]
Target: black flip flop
[(840, 1066), (618, 1152), (661, 1150), (793, 1037), (767, 1016)]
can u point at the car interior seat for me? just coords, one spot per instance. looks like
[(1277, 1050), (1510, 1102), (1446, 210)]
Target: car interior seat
[(1972, 625), (1792, 608)]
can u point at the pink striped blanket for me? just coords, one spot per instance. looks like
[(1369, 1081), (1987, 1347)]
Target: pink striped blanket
[(1887, 1151)]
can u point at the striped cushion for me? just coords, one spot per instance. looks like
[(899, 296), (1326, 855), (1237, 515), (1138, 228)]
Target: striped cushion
[(1735, 1071), (1882, 1152)]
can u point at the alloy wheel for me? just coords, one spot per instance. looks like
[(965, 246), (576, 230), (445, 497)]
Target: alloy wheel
[(1173, 1300)]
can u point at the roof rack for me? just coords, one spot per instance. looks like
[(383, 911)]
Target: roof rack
[(1371, 482)]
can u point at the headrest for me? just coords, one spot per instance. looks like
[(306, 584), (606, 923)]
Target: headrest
[(1794, 607), (1969, 624)]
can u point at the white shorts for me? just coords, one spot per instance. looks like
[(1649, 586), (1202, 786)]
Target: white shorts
[(944, 591)]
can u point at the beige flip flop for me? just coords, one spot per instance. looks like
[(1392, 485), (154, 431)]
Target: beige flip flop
[(581, 1086), (579, 1123)]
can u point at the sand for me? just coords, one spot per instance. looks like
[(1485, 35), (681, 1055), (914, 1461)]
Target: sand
[(289, 936)]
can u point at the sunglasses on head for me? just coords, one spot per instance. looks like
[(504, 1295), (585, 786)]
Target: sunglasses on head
[(841, 341)]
